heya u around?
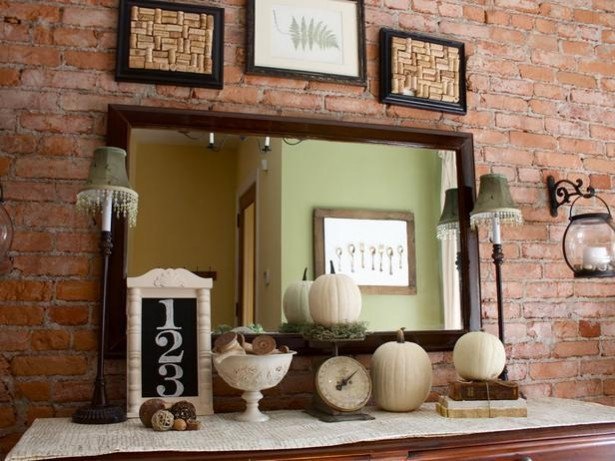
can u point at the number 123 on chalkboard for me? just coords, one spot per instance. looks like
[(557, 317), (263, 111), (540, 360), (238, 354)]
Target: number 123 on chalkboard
[(169, 348), (169, 345)]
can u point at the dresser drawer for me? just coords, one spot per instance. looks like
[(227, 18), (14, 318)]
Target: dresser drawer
[(586, 448)]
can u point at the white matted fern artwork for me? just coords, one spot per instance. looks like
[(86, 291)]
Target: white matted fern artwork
[(317, 40)]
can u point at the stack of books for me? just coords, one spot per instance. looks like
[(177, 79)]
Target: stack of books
[(482, 399)]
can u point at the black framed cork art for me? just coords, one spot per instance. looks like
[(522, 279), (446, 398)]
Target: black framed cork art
[(420, 71), (172, 43)]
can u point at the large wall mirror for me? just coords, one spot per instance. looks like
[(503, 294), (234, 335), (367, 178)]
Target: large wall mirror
[(244, 215)]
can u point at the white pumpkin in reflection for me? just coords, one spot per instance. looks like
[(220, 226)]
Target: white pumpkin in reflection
[(296, 303), (479, 356), (401, 375), (334, 298)]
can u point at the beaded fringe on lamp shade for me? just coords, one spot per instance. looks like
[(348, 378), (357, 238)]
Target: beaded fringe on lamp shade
[(494, 201), (108, 176), (448, 226)]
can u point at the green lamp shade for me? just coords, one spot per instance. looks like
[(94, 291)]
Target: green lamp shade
[(108, 176), (494, 201), (448, 225)]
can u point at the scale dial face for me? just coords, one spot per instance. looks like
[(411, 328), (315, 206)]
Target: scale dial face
[(343, 383)]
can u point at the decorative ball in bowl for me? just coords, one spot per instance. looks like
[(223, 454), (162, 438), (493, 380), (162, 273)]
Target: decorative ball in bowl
[(252, 374)]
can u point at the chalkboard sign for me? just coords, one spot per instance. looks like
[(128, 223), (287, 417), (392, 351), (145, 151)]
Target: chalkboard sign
[(169, 348), (169, 339)]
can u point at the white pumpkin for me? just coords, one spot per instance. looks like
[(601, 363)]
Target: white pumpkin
[(401, 375), (296, 301), (479, 356), (334, 298)]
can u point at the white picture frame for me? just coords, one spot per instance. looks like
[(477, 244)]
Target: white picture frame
[(317, 40), (165, 285), (375, 248)]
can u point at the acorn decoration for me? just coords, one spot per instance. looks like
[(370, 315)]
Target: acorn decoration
[(162, 420), (147, 410), (179, 425), (183, 410), (193, 425)]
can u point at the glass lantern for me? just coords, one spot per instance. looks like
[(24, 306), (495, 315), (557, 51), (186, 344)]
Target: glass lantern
[(6, 236), (589, 244), (6, 233)]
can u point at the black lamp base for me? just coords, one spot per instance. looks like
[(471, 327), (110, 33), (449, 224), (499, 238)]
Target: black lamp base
[(99, 414)]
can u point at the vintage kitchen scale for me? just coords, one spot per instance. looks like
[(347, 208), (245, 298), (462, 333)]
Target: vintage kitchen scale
[(342, 387)]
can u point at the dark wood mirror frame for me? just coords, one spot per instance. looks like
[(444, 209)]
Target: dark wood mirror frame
[(121, 119)]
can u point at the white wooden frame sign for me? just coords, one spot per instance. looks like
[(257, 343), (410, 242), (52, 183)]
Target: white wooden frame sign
[(180, 337)]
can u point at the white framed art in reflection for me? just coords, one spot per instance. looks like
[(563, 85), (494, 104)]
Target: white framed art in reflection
[(375, 248)]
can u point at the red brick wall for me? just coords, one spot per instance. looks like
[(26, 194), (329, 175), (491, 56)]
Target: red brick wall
[(541, 98)]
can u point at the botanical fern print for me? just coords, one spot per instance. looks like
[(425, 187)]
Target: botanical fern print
[(309, 34)]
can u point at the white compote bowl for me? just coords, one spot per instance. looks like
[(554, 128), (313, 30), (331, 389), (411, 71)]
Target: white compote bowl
[(251, 374)]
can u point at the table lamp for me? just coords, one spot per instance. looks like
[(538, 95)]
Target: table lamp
[(448, 225), (447, 232), (494, 207), (107, 190)]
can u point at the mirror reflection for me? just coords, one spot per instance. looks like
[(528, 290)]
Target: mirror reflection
[(243, 214)]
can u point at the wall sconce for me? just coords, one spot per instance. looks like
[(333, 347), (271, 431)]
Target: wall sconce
[(211, 142), (589, 240), (267, 146), (265, 149), (6, 235), (494, 207), (106, 190), (211, 139)]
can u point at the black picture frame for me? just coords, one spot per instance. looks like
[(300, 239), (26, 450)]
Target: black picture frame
[(124, 72), (255, 68), (391, 95)]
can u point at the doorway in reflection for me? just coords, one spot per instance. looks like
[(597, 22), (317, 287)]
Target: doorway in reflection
[(289, 181), (246, 282)]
